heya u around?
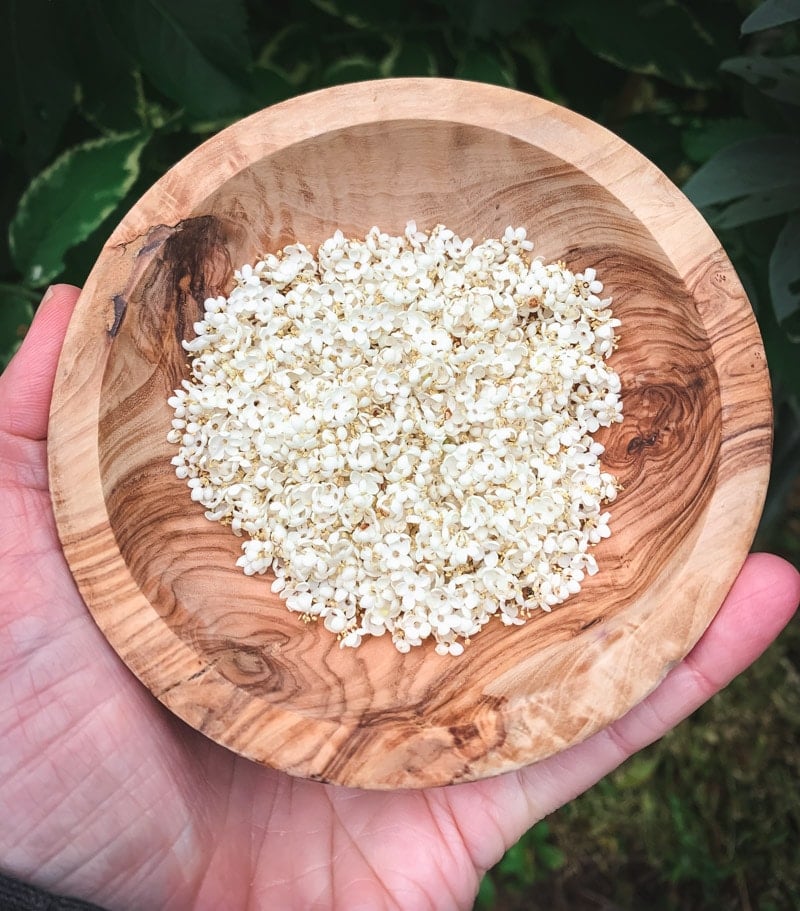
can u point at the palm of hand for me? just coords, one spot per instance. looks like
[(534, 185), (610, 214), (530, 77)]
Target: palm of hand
[(107, 796)]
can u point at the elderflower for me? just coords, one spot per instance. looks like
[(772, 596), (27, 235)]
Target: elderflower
[(400, 429)]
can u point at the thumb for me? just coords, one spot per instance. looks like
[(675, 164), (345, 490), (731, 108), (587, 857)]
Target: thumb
[(27, 383)]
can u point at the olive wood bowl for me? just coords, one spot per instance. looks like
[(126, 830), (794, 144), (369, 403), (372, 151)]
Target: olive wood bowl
[(219, 649)]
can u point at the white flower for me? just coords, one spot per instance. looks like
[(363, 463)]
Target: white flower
[(316, 333), (405, 265), (497, 582), (354, 330), (335, 620), (352, 639), (339, 408), (385, 385), (432, 342), (362, 489), (394, 552), (481, 309), (588, 284)]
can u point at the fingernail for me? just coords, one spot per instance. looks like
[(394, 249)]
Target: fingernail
[(48, 294)]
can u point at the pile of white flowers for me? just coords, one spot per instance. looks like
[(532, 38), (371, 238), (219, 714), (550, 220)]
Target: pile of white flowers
[(401, 429)]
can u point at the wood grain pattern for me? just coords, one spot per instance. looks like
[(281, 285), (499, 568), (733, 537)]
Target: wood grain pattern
[(693, 452)]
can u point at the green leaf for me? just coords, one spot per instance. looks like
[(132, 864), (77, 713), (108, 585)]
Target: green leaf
[(37, 79), (69, 200), (13, 182), (703, 140), (482, 66), (516, 863), (760, 165), (194, 51), (110, 94), (756, 207), (655, 136), (481, 18), (410, 58), (546, 854), (784, 271), (636, 772), (487, 894), (280, 52), (771, 14), (777, 77), (539, 59), (351, 69), (16, 313), (657, 38), (270, 86), (363, 14), (550, 857)]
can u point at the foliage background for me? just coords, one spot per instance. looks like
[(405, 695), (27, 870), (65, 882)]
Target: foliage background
[(100, 97)]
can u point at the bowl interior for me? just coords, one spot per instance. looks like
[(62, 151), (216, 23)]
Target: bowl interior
[(476, 181)]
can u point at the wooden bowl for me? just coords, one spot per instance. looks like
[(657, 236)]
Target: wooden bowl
[(219, 649)]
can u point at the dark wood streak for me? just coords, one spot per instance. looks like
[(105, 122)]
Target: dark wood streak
[(193, 263), (463, 734), (638, 442), (120, 308), (590, 623), (424, 735)]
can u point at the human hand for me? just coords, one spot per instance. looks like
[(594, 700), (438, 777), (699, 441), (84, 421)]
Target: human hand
[(107, 796)]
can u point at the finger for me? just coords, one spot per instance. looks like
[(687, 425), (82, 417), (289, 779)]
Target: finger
[(759, 605), (26, 386)]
